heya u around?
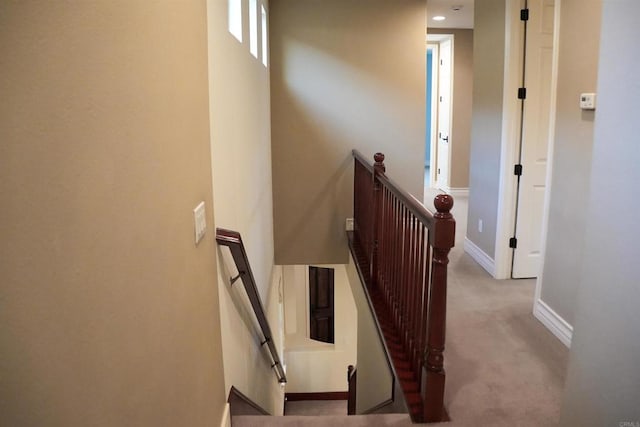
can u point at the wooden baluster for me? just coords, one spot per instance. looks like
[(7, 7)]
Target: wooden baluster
[(351, 387), (407, 280), (424, 307), (412, 286), (378, 169), (414, 289), (418, 302), (442, 240), (387, 241)]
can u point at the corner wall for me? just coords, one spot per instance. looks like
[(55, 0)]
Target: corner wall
[(108, 310), (241, 160), (570, 182), (486, 123), (345, 75), (602, 383)]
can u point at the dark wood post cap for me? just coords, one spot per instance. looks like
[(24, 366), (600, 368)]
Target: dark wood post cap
[(443, 204)]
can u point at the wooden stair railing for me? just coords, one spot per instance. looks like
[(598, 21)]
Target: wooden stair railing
[(233, 241), (352, 375), (402, 251)]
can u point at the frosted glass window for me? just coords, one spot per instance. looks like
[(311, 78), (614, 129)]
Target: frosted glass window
[(253, 27), (235, 19), (265, 53)]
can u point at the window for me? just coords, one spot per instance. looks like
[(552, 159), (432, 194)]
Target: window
[(265, 54), (253, 27), (235, 19), (321, 317)]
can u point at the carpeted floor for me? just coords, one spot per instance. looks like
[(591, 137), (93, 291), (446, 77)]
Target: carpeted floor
[(316, 407), (503, 367)]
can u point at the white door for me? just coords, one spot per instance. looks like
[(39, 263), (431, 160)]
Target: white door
[(445, 82), (535, 139)]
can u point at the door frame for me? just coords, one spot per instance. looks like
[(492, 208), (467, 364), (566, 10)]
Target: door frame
[(510, 136), (552, 138), (436, 39), (433, 140)]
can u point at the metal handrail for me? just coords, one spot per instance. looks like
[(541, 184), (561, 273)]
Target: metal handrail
[(233, 241)]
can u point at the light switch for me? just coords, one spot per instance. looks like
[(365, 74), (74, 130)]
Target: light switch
[(588, 101), (200, 221), (349, 224)]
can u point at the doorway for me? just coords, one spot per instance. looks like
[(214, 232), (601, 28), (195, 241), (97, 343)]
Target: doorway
[(527, 137), (534, 141), (439, 109)]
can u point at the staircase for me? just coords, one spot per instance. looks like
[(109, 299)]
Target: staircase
[(401, 254)]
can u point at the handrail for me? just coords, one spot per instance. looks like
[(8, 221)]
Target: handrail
[(233, 241), (405, 249), (417, 208)]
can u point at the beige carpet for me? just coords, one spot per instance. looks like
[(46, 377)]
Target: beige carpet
[(315, 407), (503, 367)]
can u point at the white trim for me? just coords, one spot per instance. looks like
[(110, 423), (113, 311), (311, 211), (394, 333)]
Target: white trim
[(307, 332), (433, 141), (439, 38), (552, 137), (456, 191), (226, 416), (480, 256), (556, 324), (510, 127)]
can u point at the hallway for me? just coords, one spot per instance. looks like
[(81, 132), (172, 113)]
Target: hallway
[(503, 367)]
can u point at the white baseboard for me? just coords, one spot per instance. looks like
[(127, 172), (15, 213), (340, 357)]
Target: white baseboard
[(226, 417), (456, 192), (556, 324), (480, 256)]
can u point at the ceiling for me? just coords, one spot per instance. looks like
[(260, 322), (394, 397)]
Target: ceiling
[(462, 18)]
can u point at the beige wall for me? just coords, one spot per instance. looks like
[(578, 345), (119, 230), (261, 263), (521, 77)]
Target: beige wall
[(462, 102), (577, 73), (344, 75), (486, 124), (241, 160), (314, 366), (109, 312), (603, 381)]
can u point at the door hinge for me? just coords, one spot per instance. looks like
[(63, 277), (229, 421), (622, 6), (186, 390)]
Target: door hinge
[(517, 170), (522, 93), (441, 62), (513, 243), (524, 14)]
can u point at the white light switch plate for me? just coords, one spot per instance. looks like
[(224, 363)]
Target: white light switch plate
[(349, 224), (200, 221), (588, 101)]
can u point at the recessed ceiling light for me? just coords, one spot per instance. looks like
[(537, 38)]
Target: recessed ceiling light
[(439, 18)]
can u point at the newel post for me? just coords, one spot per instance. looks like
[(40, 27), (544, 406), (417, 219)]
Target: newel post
[(442, 239), (378, 169)]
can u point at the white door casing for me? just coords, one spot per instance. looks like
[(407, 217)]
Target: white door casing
[(433, 136), (445, 92), (535, 139)]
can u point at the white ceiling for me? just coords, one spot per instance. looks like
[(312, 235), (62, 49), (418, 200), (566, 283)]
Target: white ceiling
[(455, 19)]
